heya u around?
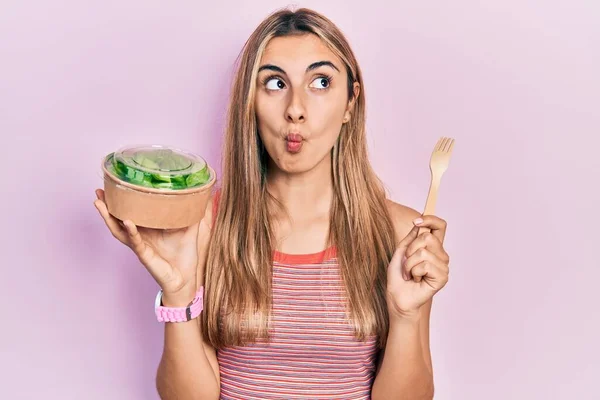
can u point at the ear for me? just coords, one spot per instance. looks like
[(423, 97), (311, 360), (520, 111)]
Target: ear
[(350, 107)]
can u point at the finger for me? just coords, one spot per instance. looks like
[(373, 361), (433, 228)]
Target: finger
[(420, 270), (111, 222), (399, 255), (426, 269), (137, 244), (435, 224), (99, 194), (403, 245), (421, 255), (435, 276), (158, 267), (408, 239), (430, 242), (145, 253)]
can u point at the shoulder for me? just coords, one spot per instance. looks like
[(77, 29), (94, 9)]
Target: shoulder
[(402, 218)]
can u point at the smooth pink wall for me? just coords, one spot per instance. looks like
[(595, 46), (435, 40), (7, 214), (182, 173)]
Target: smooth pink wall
[(515, 82)]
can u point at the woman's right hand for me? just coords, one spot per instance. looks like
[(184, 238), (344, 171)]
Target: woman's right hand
[(170, 256)]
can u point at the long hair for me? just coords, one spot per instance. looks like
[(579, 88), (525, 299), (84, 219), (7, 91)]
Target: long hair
[(238, 271)]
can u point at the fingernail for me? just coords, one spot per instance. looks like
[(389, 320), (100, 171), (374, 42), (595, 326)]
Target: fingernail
[(418, 221)]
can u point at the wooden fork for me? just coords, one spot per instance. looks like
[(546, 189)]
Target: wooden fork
[(440, 158)]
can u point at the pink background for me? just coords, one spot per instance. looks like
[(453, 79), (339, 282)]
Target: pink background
[(515, 82)]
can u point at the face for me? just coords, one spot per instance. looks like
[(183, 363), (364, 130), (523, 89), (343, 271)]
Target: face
[(301, 102)]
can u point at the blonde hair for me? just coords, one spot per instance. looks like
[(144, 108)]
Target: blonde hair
[(239, 263)]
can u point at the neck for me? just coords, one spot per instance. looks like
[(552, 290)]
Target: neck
[(296, 192)]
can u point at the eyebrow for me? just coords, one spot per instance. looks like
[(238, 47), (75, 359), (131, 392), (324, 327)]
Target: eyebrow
[(311, 67)]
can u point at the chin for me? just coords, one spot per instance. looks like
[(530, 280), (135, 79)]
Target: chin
[(298, 163), (294, 166)]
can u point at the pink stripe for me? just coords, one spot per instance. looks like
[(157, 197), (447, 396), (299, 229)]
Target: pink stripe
[(312, 353)]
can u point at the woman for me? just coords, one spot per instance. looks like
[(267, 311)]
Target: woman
[(315, 285)]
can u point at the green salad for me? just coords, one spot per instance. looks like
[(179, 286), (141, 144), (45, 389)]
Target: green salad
[(158, 168)]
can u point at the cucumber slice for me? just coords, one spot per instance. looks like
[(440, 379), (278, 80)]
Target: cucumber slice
[(162, 185), (147, 181), (145, 168), (164, 159), (120, 168), (148, 163), (161, 178), (178, 182), (198, 178)]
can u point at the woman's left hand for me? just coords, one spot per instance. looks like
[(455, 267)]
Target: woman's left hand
[(418, 269)]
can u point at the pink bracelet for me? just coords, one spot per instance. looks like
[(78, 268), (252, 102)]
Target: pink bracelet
[(179, 314)]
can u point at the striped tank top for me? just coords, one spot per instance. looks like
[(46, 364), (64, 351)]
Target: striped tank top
[(312, 353)]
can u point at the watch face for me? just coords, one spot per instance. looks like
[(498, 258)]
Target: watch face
[(158, 300)]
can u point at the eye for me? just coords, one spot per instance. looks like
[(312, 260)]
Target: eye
[(274, 84), (321, 82)]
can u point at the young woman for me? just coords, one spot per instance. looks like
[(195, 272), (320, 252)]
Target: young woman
[(316, 286)]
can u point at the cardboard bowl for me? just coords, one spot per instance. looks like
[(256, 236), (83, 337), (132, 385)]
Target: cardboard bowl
[(155, 208)]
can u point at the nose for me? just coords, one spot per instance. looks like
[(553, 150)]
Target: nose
[(295, 111)]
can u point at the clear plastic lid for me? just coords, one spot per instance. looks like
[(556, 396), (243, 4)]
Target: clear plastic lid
[(159, 167)]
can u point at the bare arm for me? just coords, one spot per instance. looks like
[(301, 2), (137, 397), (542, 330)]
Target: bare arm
[(188, 368), (404, 369), (403, 372)]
